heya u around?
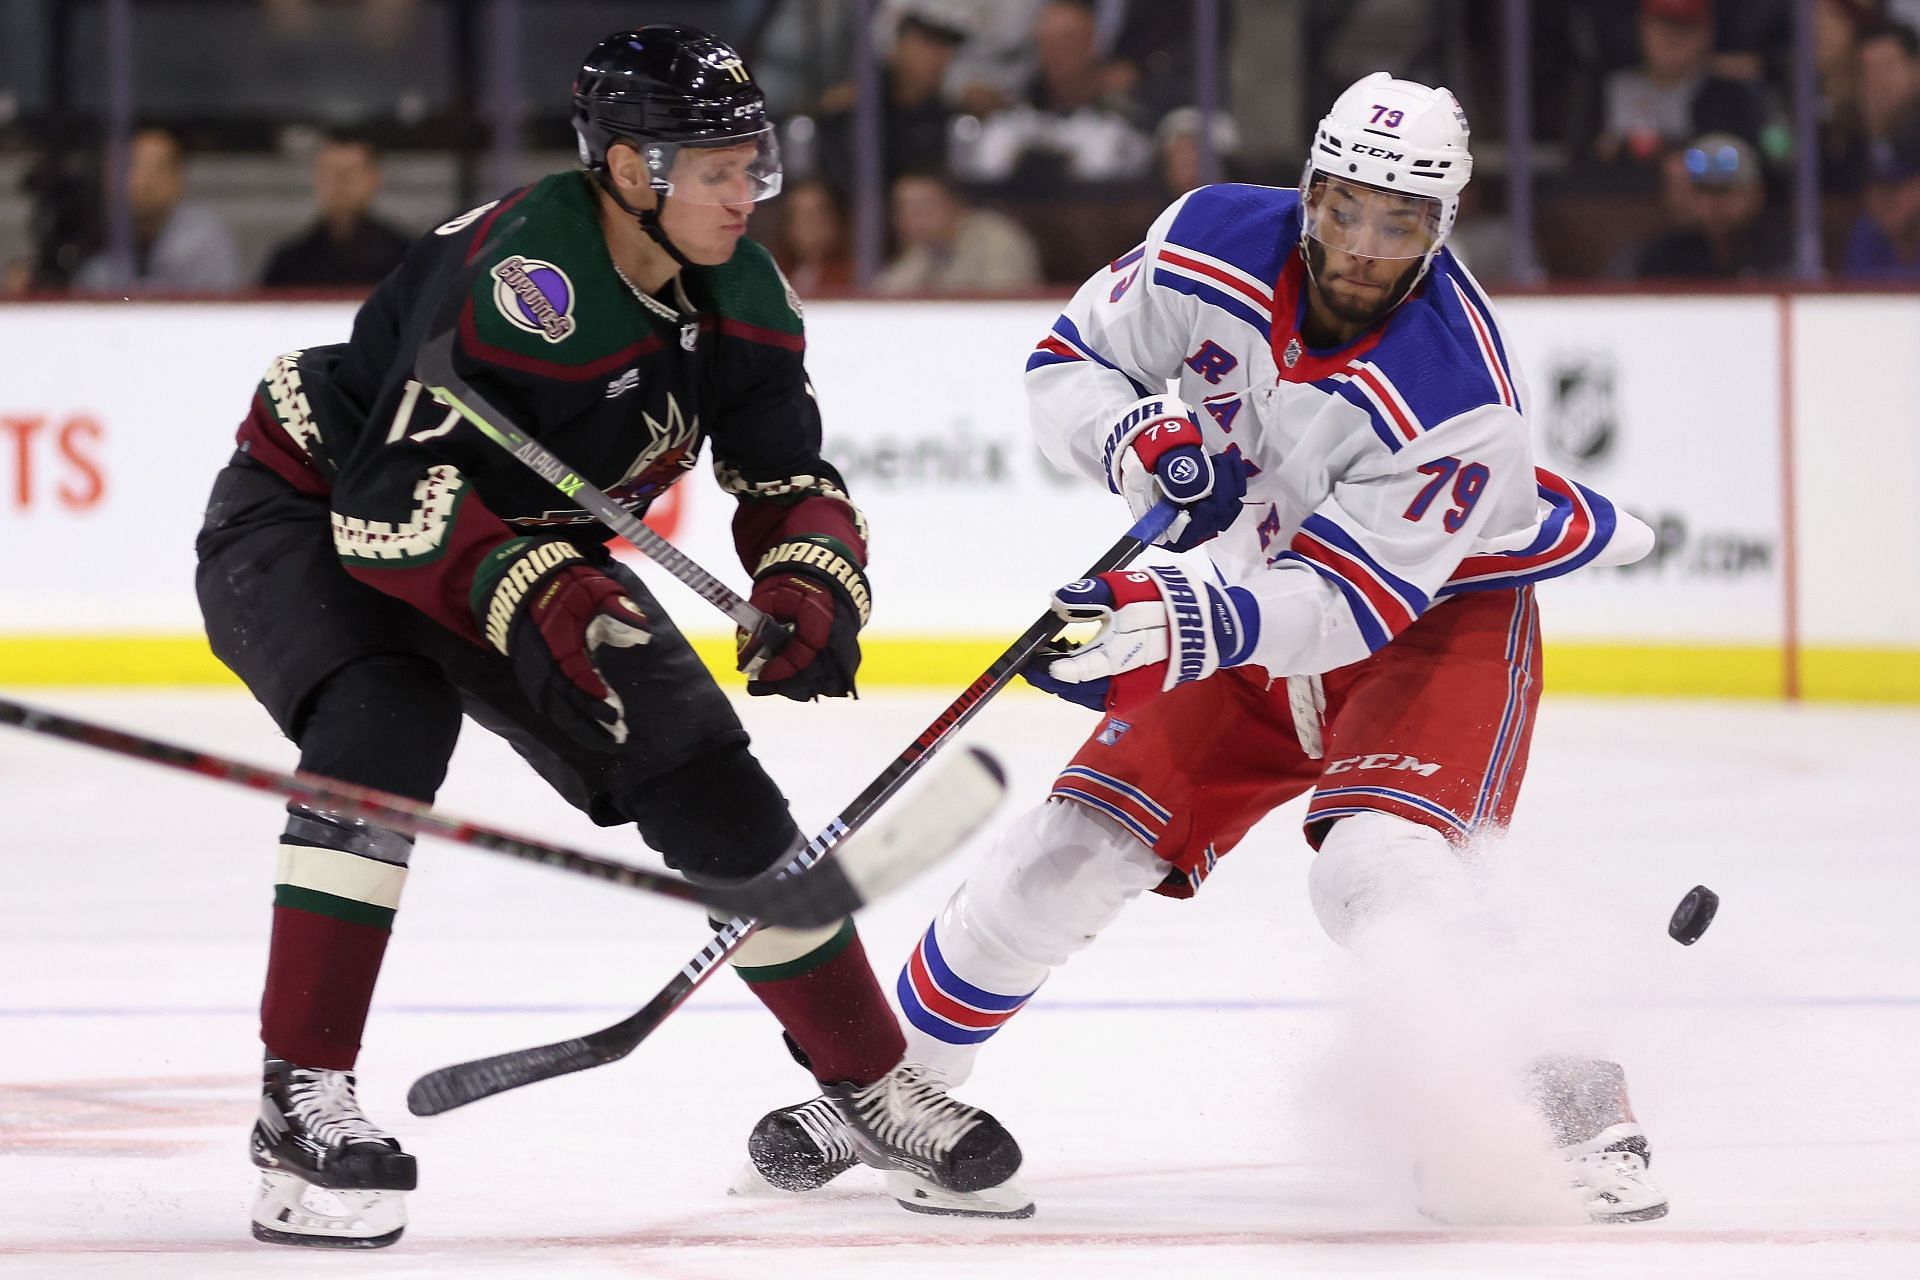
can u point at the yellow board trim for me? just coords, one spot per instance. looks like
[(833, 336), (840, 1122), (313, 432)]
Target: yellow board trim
[(1829, 673), (1705, 671)]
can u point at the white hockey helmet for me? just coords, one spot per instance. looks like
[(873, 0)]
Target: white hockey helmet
[(1399, 137)]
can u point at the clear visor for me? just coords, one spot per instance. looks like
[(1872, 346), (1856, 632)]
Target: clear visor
[(1367, 222), (742, 170)]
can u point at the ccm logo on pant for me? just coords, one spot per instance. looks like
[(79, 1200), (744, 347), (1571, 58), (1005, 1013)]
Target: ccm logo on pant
[(1389, 760)]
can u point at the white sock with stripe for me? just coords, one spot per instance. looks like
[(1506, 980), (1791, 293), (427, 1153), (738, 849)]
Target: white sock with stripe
[(1056, 877)]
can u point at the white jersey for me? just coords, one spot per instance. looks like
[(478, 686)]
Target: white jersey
[(1385, 475)]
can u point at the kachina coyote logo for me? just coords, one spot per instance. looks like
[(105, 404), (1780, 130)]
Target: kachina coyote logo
[(534, 295), (1583, 415)]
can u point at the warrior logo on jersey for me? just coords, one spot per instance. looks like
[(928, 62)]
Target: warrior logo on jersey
[(534, 295)]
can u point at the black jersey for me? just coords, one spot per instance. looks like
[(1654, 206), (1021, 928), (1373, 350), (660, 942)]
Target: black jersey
[(624, 388)]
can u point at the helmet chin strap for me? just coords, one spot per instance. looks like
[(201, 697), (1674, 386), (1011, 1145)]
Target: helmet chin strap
[(649, 219)]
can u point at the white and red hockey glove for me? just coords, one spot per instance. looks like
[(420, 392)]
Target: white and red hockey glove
[(558, 620), (1158, 629), (1155, 451)]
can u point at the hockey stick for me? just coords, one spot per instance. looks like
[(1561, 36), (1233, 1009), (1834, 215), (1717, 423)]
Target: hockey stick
[(464, 1082), (433, 367), (803, 893)]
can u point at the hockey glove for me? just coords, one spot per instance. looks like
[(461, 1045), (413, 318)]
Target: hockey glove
[(1158, 629), (1038, 674), (814, 584), (1155, 451), (559, 620)]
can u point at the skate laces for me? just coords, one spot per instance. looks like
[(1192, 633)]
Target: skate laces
[(324, 1103), (825, 1129), (906, 1110)]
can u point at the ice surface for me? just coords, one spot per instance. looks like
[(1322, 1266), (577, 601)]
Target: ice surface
[(1187, 1091)]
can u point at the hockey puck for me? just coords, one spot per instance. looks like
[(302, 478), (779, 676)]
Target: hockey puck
[(1693, 915)]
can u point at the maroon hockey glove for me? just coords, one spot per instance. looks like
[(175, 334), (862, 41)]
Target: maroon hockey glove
[(815, 585), (558, 620)]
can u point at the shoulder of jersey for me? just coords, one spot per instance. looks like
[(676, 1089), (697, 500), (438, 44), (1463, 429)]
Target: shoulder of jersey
[(753, 298), (549, 301), (1225, 245), (1442, 355)]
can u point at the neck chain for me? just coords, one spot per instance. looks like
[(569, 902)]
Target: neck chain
[(654, 304), (685, 316)]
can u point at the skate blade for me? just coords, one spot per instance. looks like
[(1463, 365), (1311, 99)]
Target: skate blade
[(1646, 1213), (1009, 1200), (289, 1210), (267, 1235), (754, 1185)]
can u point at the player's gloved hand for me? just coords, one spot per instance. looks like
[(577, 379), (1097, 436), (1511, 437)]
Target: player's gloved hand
[(559, 621), (1158, 629), (1036, 672), (1155, 451), (816, 585)]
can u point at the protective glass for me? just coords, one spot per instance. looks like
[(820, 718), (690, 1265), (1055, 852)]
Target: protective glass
[(1370, 223), (743, 170)]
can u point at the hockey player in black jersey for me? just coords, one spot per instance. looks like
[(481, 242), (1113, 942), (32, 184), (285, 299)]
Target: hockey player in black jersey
[(373, 567)]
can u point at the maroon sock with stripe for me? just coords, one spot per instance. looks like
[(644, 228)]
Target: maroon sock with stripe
[(818, 983), (320, 976), (334, 900)]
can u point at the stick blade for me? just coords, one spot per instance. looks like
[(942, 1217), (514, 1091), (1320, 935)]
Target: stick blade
[(455, 1086), (906, 839)]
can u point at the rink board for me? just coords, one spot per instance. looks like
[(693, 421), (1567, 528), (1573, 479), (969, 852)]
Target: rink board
[(1740, 427)]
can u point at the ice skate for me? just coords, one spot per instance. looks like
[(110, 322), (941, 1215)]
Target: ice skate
[(799, 1148), (1585, 1102), (1610, 1173), (328, 1176), (940, 1156)]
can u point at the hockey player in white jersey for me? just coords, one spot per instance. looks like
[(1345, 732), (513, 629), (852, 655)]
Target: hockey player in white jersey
[(1346, 437)]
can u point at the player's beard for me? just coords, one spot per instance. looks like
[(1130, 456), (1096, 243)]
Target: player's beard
[(1365, 314)]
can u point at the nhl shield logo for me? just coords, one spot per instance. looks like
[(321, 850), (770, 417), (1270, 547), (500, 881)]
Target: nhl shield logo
[(1582, 418), (1291, 356)]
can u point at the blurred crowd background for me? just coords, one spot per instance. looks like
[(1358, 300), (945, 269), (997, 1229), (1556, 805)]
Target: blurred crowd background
[(959, 146)]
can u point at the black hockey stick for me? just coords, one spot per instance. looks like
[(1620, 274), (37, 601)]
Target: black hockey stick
[(802, 893), (465, 1082), (433, 367)]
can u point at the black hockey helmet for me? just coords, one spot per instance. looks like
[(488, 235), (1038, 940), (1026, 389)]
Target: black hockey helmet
[(661, 88)]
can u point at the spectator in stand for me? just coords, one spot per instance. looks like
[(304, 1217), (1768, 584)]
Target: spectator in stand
[(811, 241), (996, 63), (176, 246), (916, 119), (1152, 60), (1717, 199), (1885, 244), (65, 219), (1889, 75), (1673, 95), (1076, 123), (947, 247), (1177, 142), (346, 245), (1837, 28)]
